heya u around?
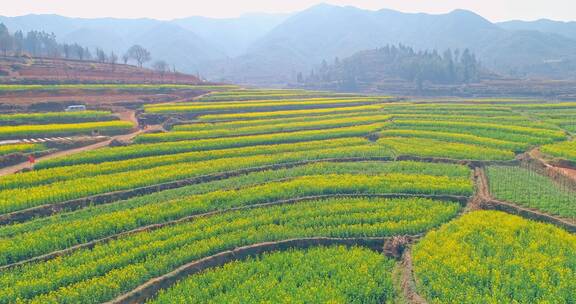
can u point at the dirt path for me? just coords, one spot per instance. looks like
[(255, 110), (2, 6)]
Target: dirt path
[(127, 115), (482, 188), (571, 173), (552, 170), (408, 281)]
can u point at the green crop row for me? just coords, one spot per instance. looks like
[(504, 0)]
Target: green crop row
[(259, 102), (274, 138), (254, 178), (242, 92), (511, 119), (291, 113), (457, 138), (55, 117), (276, 96), (486, 133), (493, 257), (474, 109), (103, 272), (201, 107), (528, 188), (461, 112), (23, 198), (165, 148), (271, 128), (56, 174), (565, 149), (545, 106), (566, 124), (494, 127), (55, 87), (20, 148), (216, 126), (106, 127), (41, 236), (345, 275), (423, 147)]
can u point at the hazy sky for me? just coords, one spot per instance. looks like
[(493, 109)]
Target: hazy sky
[(495, 10)]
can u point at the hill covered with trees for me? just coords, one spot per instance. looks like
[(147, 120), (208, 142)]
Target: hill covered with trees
[(397, 62)]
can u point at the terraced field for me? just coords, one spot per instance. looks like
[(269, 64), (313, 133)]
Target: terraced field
[(20, 148), (492, 257), (295, 196), (54, 117), (346, 275), (100, 87), (565, 150), (528, 188), (31, 125)]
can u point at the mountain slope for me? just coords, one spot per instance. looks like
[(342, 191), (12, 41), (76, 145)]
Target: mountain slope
[(324, 32), (171, 41), (566, 29), (232, 35)]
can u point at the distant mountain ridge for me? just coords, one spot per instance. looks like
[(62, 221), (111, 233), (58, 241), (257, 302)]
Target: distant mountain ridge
[(566, 29), (326, 32), (175, 41), (273, 49)]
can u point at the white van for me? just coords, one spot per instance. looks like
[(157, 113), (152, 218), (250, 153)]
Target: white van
[(76, 108)]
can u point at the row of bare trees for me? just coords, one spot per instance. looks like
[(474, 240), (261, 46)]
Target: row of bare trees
[(42, 44)]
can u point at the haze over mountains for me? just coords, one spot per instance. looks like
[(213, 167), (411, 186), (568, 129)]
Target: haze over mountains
[(265, 48)]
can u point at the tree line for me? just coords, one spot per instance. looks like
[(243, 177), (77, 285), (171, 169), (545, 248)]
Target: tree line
[(403, 62), (42, 44)]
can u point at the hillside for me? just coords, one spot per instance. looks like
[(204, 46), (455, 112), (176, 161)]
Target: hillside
[(23, 69)]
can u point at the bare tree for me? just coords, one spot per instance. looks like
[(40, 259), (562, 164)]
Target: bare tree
[(18, 42), (5, 39), (87, 54), (125, 58), (113, 58), (138, 53), (66, 49), (161, 67), (101, 56), (80, 53)]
